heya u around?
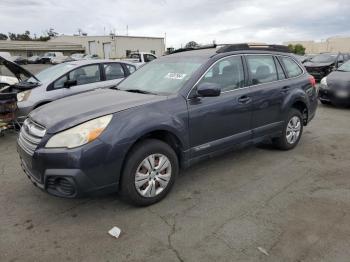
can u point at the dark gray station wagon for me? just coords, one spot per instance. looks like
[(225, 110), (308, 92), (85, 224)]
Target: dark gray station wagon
[(171, 113)]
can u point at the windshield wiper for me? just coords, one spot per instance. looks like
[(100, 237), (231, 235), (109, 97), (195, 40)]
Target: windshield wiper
[(140, 91)]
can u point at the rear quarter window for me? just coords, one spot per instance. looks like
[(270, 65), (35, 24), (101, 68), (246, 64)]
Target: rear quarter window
[(292, 68)]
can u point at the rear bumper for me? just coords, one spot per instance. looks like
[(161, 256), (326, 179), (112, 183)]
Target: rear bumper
[(70, 173)]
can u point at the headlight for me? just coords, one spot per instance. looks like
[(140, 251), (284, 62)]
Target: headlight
[(324, 83), (81, 134), (23, 96)]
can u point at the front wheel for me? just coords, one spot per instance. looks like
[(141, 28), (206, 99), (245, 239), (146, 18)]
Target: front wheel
[(292, 131), (149, 172)]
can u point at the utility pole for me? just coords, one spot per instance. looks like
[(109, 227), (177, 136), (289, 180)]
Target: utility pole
[(127, 30)]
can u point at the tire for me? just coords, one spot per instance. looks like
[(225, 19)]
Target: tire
[(287, 143), (151, 186)]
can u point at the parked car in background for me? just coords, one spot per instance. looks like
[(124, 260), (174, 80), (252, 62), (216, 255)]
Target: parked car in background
[(6, 55), (88, 57), (140, 58), (35, 59), (321, 65), (69, 79), (46, 58), (171, 113), (59, 60), (335, 88), (20, 60), (76, 56)]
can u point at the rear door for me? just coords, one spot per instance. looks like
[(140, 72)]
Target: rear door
[(219, 122), (268, 91)]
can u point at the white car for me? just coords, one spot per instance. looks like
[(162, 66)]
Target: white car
[(140, 58)]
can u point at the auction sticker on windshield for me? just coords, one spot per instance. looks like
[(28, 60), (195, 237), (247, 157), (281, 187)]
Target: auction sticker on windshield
[(176, 76)]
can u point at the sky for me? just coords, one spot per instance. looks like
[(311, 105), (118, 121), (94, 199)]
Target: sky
[(203, 21)]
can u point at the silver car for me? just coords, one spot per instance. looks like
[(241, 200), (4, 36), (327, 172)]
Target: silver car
[(68, 79)]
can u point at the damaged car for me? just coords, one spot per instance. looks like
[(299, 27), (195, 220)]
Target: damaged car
[(321, 65), (9, 89)]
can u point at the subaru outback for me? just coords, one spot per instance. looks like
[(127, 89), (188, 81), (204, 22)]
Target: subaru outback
[(168, 115)]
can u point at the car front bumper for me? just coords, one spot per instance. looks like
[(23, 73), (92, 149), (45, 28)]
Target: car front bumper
[(331, 96), (70, 173)]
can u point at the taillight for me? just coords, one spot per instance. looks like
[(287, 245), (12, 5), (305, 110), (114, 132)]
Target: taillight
[(312, 81)]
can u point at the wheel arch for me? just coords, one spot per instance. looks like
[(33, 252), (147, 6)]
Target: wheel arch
[(303, 108)]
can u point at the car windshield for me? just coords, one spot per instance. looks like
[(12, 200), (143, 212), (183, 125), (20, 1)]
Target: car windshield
[(324, 58), (345, 67), (51, 73), (163, 76)]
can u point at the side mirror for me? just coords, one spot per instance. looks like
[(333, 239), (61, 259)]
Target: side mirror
[(70, 83), (208, 89)]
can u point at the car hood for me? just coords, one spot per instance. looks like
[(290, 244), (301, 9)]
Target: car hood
[(339, 80), (15, 69), (312, 64), (71, 111)]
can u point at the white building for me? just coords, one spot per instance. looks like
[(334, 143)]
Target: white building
[(29, 48), (115, 46), (332, 44)]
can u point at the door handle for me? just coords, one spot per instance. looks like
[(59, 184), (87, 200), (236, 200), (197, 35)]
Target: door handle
[(244, 100)]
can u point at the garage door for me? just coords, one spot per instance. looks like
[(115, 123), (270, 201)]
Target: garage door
[(107, 50), (92, 48)]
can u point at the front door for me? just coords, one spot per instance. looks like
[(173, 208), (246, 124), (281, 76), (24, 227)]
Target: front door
[(87, 78), (219, 122)]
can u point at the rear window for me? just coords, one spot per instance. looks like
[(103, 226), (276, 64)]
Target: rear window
[(292, 68)]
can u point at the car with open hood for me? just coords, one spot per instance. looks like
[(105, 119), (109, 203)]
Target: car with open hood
[(67, 79), (321, 65), (9, 88), (171, 113), (335, 87)]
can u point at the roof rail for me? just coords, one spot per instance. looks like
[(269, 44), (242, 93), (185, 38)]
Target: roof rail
[(193, 48), (239, 47)]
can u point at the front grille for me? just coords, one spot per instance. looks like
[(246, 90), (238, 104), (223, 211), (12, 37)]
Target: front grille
[(30, 136)]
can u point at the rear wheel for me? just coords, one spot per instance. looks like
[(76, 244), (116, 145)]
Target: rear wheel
[(149, 173), (292, 131)]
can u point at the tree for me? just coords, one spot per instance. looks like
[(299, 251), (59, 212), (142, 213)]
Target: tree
[(51, 32), (20, 37), (297, 49), (3, 36), (191, 44)]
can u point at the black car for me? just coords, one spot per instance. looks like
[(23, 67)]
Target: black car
[(170, 114), (321, 65), (335, 88)]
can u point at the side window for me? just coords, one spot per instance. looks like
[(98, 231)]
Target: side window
[(280, 72), (59, 83), (131, 68), (113, 71), (292, 67), (227, 73), (262, 69), (148, 58), (86, 74)]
